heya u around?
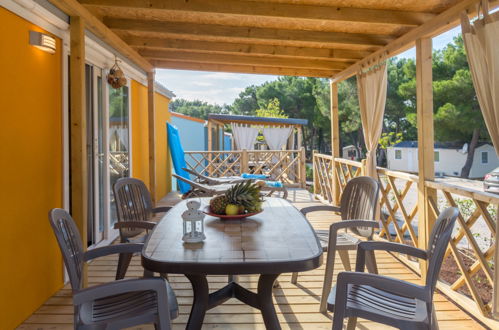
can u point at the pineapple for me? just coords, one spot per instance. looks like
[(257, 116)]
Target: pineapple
[(245, 195), (218, 204)]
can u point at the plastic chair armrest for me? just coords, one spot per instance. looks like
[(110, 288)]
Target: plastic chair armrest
[(149, 225), (384, 283), (113, 249), (161, 209), (310, 209), (156, 284), (393, 247)]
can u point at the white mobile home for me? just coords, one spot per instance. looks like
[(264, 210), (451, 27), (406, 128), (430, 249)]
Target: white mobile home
[(449, 158)]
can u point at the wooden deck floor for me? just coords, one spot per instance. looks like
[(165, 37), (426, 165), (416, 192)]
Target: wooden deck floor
[(297, 306)]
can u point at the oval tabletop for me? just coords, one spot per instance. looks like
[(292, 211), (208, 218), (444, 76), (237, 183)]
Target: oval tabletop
[(278, 240)]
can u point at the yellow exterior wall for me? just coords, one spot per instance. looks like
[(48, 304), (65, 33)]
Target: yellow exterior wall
[(140, 129), (31, 170), (163, 160), (140, 139)]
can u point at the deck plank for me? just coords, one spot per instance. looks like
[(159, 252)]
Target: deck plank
[(296, 305)]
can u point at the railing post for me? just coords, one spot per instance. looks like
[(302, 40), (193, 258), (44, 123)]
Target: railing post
[(363, 169), (314, 173), (335, 140), (152, 135), (426, 169), (244, 162), (303, 169)]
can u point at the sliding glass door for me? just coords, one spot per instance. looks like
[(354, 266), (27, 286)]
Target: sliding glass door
[(119, 139), (107, 152)]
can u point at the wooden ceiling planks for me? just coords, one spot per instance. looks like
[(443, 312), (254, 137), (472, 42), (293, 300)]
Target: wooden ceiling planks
[(289, 37)]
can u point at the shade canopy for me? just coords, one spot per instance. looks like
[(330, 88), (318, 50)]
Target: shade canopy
[(252, 120), (314, 38)]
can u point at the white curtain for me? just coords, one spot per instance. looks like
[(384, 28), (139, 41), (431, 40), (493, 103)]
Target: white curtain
[(371, 86), (276, 137), (244, 136), (482, 49)]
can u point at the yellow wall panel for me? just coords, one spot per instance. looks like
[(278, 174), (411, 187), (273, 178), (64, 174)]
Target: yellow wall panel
[(140, 137), (163, 161), (31, 171)]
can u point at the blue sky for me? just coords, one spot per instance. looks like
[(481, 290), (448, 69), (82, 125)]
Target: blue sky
[(220, 87)]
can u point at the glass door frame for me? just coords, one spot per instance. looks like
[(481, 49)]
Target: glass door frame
[(108, 234)]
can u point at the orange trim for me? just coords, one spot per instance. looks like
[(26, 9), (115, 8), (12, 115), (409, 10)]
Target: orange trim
[(180, 115)]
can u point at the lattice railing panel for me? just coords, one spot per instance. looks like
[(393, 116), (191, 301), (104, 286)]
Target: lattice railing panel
[(346, 170), (472, 247), (323, 176), (279, 165), (399, 207), (215, 163)]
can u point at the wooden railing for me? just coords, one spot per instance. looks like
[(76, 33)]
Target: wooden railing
[(472, 247), (287, 166), (467, 274), (398, 209), (323, 177), (345, 170)]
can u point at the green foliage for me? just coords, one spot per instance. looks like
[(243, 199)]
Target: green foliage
[(298, 97), (118, 102), (196, 108), (271, 110), (390, 139)]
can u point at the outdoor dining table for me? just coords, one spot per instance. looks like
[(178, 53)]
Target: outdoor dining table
[(275, 241)]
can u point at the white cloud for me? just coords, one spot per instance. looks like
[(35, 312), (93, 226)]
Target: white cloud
[(211, 87)]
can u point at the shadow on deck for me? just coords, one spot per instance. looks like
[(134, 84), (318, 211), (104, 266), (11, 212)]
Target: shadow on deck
[(297, 305)]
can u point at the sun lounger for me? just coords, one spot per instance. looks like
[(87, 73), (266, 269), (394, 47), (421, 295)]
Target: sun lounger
[(204, 190), (215, 181)]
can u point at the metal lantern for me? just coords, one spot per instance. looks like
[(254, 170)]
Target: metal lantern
[(193, 223)]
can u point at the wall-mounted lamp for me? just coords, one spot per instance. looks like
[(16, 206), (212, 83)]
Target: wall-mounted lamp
[(42, 41)]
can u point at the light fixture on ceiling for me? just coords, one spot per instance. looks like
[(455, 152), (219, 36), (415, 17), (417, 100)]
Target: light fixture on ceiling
[(42, 41)]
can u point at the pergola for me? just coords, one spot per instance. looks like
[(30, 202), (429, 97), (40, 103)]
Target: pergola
[(317, 38), (217, 122)]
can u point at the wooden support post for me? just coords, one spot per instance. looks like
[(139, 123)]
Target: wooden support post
[(315, 175), (300, 137), (335, 140), (210, 136), (424, 92), (303, 168), (152, 134), (78, 131), (222, 129), (217, 139), (244, 166), (363, 170), (210, 147)]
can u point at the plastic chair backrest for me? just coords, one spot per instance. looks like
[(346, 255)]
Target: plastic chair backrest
[(439, 239), (133, 203), (68, 238), (359, 201)]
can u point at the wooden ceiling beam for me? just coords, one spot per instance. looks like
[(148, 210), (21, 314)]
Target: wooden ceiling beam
[(152, 54), (437, 25), (74, 8), (233, 68), (258, 10), (245, 49), (226, 33)]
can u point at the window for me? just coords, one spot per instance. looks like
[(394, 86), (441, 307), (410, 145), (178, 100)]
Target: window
[(485, 157), (398, 154), (437, 156)]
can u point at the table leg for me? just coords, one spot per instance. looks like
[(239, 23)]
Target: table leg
[(264, 297), (201, 299)]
